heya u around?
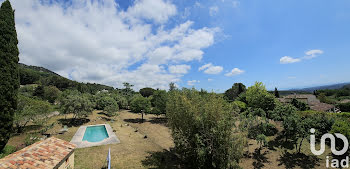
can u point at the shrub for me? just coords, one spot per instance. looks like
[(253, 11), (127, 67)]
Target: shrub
[(31, 139), (300, 105), (345, 107), (7, 151), (202, 129), (241, 105), (266, 129), (51, 93)]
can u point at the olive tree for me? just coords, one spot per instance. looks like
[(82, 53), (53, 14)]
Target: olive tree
[(158, 101), (78, 104), (141, 105), (111, 108), (29, 109)]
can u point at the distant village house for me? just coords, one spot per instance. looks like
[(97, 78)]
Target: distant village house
[(311, 100)]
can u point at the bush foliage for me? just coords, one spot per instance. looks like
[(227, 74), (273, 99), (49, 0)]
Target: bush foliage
[(202, 129)]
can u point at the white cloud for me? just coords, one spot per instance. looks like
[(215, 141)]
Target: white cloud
[(312, 53), (95, 41), (209, 80), (288, 59), (213, 10), (192, 82), (157, 10), (234, 72), (211, 69), (292, 77), (179, 69), (204, 66), (308, 55)]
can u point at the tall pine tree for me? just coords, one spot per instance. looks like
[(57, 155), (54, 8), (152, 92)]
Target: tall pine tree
[(9, 76)]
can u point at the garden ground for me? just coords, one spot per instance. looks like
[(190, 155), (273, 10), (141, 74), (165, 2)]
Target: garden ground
[(155, 151)]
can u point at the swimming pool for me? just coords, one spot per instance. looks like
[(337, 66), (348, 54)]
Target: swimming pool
[(95, 133)]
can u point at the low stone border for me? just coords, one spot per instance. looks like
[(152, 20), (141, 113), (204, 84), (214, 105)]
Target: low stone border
[(78, 137)]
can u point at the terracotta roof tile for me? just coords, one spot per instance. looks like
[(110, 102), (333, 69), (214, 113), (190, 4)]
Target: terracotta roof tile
[(43, 154)]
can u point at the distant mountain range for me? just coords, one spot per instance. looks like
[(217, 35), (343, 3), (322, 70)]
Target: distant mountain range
[(333, 86)]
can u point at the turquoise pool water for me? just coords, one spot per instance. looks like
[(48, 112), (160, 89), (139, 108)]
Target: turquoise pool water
[(95, 133)]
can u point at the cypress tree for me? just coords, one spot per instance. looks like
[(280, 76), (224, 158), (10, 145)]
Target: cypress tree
[(277, 94), (9, 76)]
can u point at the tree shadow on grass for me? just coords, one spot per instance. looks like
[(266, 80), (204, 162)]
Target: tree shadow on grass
[(280, 142), (29, 128), (70, 122), (158, 120), (163, 159), (291, 160), (137, 120), (260, 158)]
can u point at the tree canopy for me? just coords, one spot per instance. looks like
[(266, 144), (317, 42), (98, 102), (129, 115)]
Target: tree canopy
[(146, 92), (158, 101), (232, 93), (258, 97)]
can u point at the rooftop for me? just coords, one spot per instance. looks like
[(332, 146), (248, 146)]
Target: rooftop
[(321, 107), (44, 154)]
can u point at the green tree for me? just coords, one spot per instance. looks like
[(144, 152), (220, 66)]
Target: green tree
[(29, 109), (300, 105), (172, 86), (51, 93), (78, 104), (232, 93), (258, 97), (146, 92), (158, 101), (104, 101), (9, 76), (202, 129), (141, 105), (281, 111), (291, 126), (277, 93), (122, 102), (261, 139), (111, 108)]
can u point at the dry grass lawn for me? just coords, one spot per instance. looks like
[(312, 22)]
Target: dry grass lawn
[(136, 151)]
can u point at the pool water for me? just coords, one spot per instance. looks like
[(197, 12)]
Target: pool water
[(95, 133)]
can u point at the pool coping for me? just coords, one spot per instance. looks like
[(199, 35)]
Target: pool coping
[(78, 137)]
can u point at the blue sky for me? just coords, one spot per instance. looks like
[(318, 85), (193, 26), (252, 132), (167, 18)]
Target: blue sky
[(284, 44)]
